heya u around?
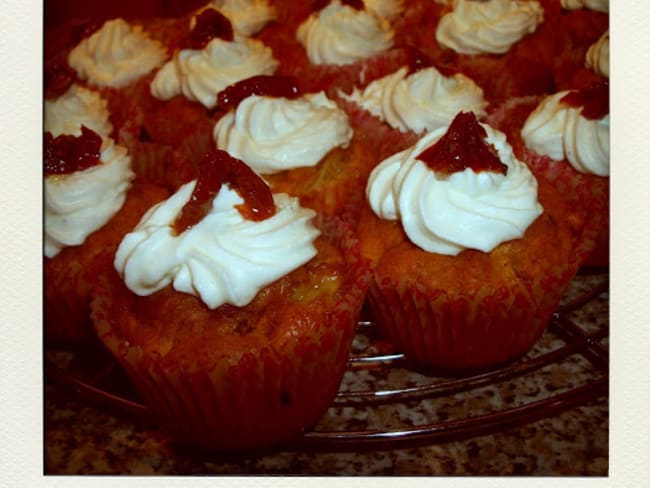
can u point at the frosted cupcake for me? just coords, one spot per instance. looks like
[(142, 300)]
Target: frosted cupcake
[(458, 234), (230, 311), (302, 144), (89, 205), (395, 109), (211, 57), (339, 44), (248, 17), (564, 138), (503, 45)]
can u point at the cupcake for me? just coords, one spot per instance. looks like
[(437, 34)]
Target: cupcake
[(211, 57), (230, 311), (419, 97), (90, 203), (339, 44), (458, 234), (248, 17), (564, 139), (300, 143), (503, 45)]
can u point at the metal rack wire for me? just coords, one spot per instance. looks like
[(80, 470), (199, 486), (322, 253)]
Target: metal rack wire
[(381, 393)]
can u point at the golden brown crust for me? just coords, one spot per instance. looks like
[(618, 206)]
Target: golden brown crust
[(549, 242), (179, 325)]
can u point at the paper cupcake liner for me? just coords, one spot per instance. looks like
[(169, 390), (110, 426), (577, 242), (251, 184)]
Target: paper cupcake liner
[(67, 296), (252, 397), (474, 329)]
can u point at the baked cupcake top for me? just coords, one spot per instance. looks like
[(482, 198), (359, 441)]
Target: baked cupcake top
[(420, 101), (344, 34), (488, 27), (572, 125), (597, 5), (86, 180), (238, 239), (451, 196), (276, 133), (597, 58), (76, 107), (116, 55), (248, 17), (214, 57)]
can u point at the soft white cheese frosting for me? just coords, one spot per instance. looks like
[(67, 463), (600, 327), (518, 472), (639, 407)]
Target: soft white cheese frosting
[(116, 55), (424, 100), (387, 9), (222, 259), (491, 27), (79, 203), (597, 5), (447, 213), (561, 132), (247, 17), (273, 134), (597, 58), (76, 107), (340, 34), (200, 74)]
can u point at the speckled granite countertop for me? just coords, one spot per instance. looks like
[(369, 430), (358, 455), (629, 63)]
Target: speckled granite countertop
[(562, 438)]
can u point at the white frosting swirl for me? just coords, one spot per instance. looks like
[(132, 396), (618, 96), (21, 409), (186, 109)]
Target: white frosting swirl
[(340, 34), (116, 55), (492, 27), (247, 17), (200, 75), (222, 259), (425, 100), (76, 107), (274, 134), (446, 214), (386, 9), (80, 203), (598, 5), (559, 131), (597, 58)]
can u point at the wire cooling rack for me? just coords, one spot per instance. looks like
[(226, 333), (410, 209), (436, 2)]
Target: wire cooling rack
[(384, 401)]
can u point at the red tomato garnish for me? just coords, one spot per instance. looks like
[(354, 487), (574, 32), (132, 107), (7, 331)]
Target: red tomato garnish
[(463, 146), (594, 100), (263, 85), (209, 24), (219, 167), (66, 154)]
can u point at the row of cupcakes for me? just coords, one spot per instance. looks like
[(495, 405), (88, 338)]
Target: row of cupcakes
[(223, 253)]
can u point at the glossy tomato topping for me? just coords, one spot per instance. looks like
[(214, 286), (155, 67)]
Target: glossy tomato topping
[(263, 85), (210, 24), (463, 146), (66, 154), (219, 167), (594, 100)]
